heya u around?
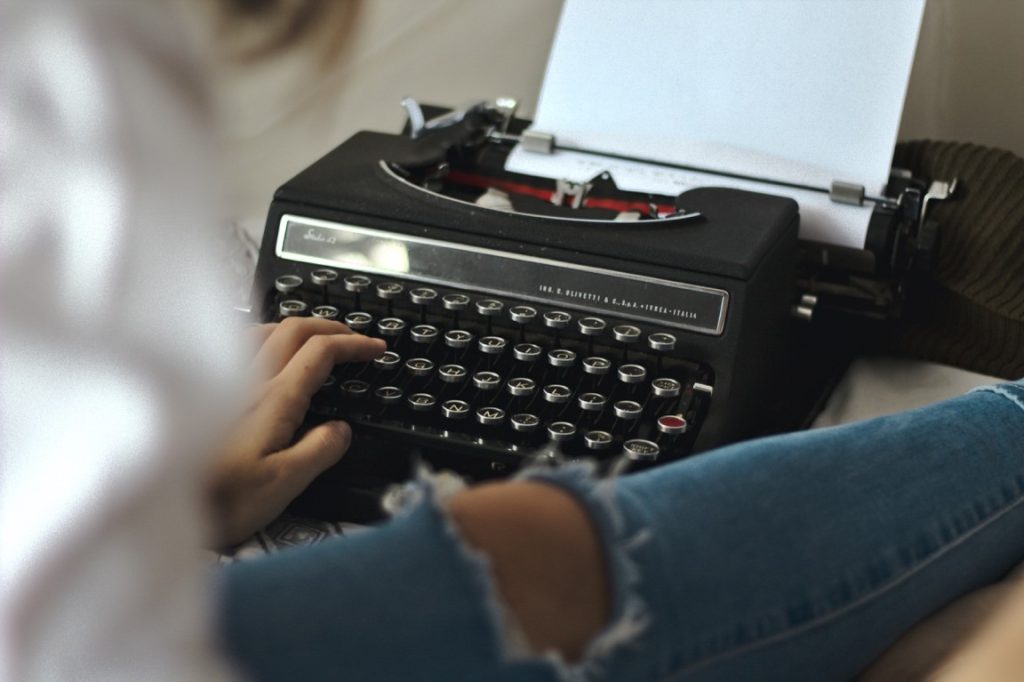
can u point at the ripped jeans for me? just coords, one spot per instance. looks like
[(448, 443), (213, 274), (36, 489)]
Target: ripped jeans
[(797, 557)]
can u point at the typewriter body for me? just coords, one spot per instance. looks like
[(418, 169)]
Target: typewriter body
[(513, 336)]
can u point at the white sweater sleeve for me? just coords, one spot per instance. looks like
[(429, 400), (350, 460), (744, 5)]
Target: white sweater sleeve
[(117, 356)]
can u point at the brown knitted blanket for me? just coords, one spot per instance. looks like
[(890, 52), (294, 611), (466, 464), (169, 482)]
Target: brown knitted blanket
[(970, 312)]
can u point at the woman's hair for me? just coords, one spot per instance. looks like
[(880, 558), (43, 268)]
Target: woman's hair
[(251, 29)]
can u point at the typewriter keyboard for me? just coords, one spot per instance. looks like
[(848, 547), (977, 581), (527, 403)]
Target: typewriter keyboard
[(505, 380)]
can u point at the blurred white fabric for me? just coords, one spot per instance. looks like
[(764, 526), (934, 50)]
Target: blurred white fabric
[(118, 356)]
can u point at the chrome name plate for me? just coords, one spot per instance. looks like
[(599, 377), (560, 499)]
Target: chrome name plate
[(501, 273)]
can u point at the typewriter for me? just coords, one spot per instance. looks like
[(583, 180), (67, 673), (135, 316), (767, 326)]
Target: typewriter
[(532, 320)]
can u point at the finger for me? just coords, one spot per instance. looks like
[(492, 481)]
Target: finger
[(259, 333), (321, 447), (289, 336), (306, 371)]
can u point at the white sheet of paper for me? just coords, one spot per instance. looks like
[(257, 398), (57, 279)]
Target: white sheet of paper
[(798, 91)]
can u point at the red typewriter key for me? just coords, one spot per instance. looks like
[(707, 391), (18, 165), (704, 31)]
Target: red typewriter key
[(672, 424)]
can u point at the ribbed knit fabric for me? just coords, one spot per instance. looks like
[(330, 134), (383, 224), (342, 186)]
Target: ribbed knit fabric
[(970, 311)]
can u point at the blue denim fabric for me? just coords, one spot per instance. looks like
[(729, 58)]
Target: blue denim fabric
[(799, 557)]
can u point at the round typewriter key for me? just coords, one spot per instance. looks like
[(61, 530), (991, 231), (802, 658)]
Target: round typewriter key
[(422, 296), (557, 394), (421, 402), (390, 326), (489, 307), (326, 312), (661, 342), (672, 424), (455, 301), (640, 450), (389, 290), (357, 283), (292, 308), (628, 409), (457, 338), (455, 409), (557, 319), (597, 366), (527, 352), (525, 422), (328, 382), (323, 277), (389, 360), (286, 284), (490, 416), (591, 402), (452, 374), (419, 367), (486, 381), (626, 333), (522, 314), (665, 387), (632, 374), (388, 395), (561, 431), (521, 386), (591, 326), (359, 322), (424, 333), (598, 440), (492, 345), (354, 388), (561, 357)]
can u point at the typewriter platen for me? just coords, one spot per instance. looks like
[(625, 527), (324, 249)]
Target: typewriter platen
[(565, 322)]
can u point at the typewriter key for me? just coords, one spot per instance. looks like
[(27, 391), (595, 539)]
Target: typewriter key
[(452, 374), (457, 338), (354, 388), (490, 416), (661, 342), (326, 312), (357, 284), (521, 386), (557, 394), (672, 424), (455, 409), (323, 278), (491, 345), (292, 308), (486, 381), (389, 291), (388, 395), (522, 314), (561, 431), (557, 319), (591, 402), (632, 374), (640, 450), (391, 326), (388, 361), (561, 357), (419, 367), (286, 284), (424, 333), (626, 333), (422, 402), (359, 322), (598, 440), (328, 382), (664, 387), (489, 307), (525, 422), (455, 301), (527, 352), (597, 366), (422, 296), (591, 326), (628, 409)]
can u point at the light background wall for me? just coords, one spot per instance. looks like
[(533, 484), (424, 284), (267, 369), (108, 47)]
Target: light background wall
[(967, 82)]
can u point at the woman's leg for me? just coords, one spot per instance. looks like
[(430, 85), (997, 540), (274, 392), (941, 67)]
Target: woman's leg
[(796, 557)]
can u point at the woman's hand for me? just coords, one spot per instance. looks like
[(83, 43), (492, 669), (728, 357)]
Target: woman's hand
[(259, 471)]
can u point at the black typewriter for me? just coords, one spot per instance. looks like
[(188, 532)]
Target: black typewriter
[(530, 320)]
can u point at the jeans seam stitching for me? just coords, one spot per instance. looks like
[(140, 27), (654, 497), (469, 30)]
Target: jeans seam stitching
[(860, 601)]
